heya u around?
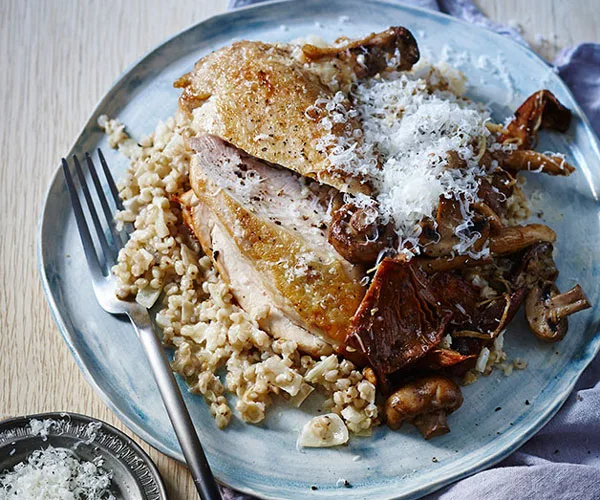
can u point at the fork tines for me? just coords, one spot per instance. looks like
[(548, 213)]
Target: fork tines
[(109, 246)]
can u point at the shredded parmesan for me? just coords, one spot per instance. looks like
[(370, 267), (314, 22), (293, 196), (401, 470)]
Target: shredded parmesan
[(41, 427), (56, 474), (410, 121)]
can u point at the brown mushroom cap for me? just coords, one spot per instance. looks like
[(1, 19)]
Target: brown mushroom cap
[(377, 51), (547, 309), (425, 402), (357, 234)]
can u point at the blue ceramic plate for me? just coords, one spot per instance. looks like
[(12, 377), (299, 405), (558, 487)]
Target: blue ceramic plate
[(263, 460)]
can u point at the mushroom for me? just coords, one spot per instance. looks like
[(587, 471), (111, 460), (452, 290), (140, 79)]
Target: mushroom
[(547, 309), (440, 359), (372, 54), (440, 239), (540, 110), (535, 265), (454, 161), (495, 189), (449, 263), (538, 162), (491, 216), (513, 239), (358, 235), (425, 402)]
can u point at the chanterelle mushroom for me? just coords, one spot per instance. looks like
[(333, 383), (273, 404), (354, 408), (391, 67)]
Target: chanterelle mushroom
[(547, 309), (425, 402)]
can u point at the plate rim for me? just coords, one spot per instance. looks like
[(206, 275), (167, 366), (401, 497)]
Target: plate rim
[(56, 415), (490, 460)]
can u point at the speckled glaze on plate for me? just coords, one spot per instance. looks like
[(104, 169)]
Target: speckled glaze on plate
[(134, 475), (263, 460)]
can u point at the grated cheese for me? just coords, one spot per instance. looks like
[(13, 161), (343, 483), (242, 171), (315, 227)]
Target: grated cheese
[(56, 474), (41, 427), (410, 121)]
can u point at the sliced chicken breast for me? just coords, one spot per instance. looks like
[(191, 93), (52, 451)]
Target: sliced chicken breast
[(272, 223), (243, 278)]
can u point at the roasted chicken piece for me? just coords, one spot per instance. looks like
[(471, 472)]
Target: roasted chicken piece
[(271, 101), (264, 228)]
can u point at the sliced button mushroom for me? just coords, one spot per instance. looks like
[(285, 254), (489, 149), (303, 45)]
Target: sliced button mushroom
[(432, 424), (547, 309), (358, 235), (425, 402), (537, 162)]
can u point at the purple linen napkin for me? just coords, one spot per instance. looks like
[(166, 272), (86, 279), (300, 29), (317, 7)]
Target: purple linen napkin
[(562, 461)]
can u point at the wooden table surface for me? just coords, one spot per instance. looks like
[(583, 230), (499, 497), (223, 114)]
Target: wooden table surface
[(57, 59)]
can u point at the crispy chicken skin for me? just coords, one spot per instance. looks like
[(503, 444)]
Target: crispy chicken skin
[(255, 96), (261, 98), (273, 224)]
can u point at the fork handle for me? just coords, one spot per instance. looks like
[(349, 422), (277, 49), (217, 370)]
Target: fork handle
[(173, 401)]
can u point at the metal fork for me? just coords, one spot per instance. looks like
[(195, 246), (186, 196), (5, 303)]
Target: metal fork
[(105, 286)]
